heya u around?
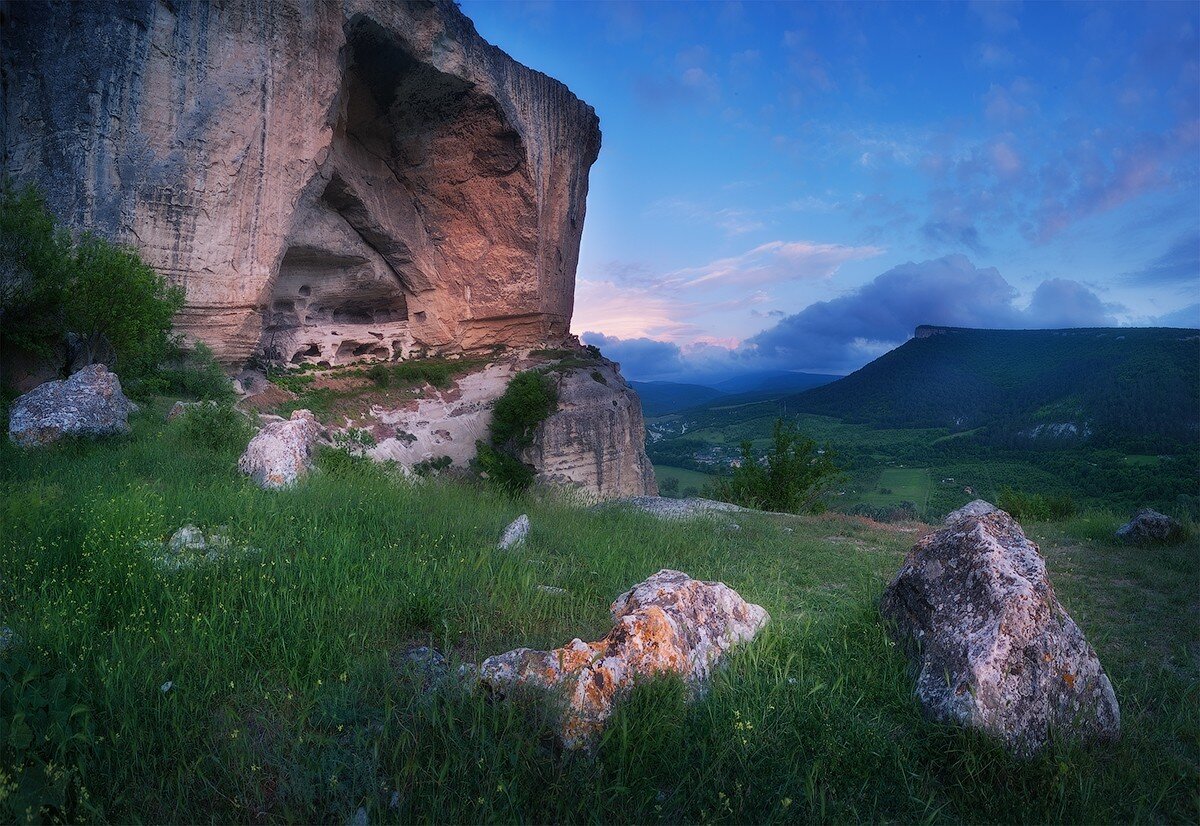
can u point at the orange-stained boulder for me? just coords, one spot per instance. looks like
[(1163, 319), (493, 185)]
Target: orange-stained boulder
[(670, 623)]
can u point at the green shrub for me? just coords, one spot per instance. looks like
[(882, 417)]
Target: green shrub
[(380, 375), (790, 478), (502, 469), (1035, 506), (215, 426), (432, 467), (99, 290), (195, 374), (47, 742), (35, 268), (529, 398), (355, 441), (116, 297)]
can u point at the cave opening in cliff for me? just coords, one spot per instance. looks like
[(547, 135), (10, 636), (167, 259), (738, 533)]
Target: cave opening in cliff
[(423, 200)]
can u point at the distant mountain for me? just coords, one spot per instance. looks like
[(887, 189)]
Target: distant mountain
[(1124, 386), (773, 380), (662, 397)]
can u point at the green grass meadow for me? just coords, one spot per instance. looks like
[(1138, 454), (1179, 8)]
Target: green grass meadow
[(290, 703)]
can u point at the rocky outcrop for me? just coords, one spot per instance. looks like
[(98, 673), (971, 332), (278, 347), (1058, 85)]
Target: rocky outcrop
[(1149, 527), (281, 453), (595, 441), (88, 404), (992, 647), (328, 181), (670, 623)]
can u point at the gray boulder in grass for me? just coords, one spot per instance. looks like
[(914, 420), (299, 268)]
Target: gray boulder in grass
[(1149, 527), (89, 403), (992, 647)]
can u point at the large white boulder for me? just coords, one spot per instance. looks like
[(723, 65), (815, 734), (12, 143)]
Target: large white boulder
[(282, 452)]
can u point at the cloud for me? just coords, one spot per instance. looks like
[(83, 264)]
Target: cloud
[(1188, 316), (1180, 264), (952, 232), (628, 310), (1059, 302), (843, 333), (773, 262)]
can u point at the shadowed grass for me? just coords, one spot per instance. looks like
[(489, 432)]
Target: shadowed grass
[(288, 702)]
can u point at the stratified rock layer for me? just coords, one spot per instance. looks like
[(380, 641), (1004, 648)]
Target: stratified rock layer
[(328, 181), (88, 404), (595, 441), (992, 646), (670, 623)]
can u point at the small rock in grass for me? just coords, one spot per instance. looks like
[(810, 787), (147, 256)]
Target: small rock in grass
[(515, 533), (550, 589), (167, 686), (187, 538), (425, 662), (360, 818), (394, 803)]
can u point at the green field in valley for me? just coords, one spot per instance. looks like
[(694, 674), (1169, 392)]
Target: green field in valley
[(897, 485), (686, 479)]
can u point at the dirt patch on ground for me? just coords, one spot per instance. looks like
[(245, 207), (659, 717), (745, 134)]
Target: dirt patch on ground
[(267, 400)]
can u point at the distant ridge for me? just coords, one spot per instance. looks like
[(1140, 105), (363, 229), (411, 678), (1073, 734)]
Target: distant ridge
[(1127, 386)]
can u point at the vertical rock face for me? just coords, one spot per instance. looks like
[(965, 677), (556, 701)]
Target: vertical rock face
[(595, 441), (992, 646), (328, 181)]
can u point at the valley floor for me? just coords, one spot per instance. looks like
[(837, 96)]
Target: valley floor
[(269, 685)]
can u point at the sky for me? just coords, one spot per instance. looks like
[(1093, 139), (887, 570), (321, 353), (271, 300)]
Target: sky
[(798, 185)]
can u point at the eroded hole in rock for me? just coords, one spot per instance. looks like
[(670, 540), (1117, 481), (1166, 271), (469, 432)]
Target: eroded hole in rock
[(426, 186)]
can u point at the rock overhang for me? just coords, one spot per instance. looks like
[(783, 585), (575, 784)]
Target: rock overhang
[(431, 187)]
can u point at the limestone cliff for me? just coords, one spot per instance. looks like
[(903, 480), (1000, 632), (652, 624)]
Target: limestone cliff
[(328, 180), (595, 441)]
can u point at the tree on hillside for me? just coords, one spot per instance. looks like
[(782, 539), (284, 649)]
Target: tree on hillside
[(104, 293), (118, 298), (35, 265), (790, 477)]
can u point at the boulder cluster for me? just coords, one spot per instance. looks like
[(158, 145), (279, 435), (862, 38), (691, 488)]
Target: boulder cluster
[(972, 606)]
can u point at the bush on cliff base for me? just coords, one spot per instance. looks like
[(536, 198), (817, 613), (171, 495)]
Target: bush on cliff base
[(527, 401), (103, 292)]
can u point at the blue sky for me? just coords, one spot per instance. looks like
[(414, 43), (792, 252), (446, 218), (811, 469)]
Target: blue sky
[(797, 185)]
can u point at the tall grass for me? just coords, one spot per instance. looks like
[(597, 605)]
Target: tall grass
[(290, 702)]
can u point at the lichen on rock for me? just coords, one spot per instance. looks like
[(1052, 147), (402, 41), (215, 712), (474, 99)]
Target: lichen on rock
[(992, 646), (670, 623), (89, 404)]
